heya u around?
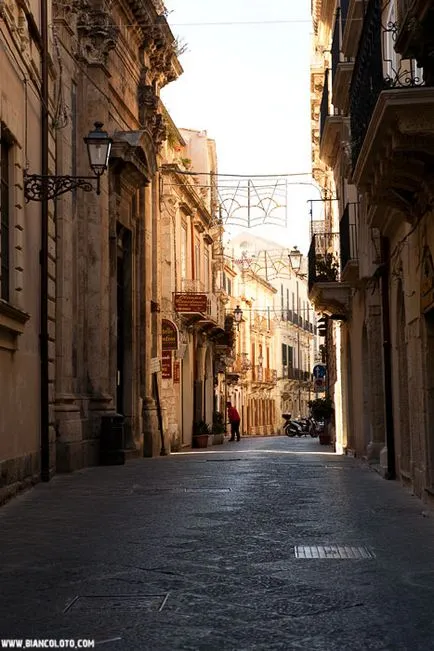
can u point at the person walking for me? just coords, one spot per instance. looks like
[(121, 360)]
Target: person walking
[(234, 419)]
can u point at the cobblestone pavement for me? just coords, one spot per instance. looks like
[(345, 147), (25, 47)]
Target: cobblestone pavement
[(201, 551)]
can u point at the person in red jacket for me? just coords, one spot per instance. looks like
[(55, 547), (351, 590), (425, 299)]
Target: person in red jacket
[(234, 419)]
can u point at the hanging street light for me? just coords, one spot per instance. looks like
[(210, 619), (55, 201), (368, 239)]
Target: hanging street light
[(40, 188), (294, 258), (238, 316)]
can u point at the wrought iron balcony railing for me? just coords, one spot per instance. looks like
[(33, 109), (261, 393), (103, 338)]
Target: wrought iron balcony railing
[(291, 373), (323, 259), (377, 68), (348, 229)]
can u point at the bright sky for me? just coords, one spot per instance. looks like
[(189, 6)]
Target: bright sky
[(248, 87)]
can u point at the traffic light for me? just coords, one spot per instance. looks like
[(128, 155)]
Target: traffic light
[(322, 326)]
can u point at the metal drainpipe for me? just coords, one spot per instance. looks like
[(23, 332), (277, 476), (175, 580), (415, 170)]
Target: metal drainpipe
[(43, 341), (387, 359)]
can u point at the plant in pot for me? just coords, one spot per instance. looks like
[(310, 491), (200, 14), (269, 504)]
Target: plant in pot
[(322, 410), (201, 432), (218, 428), (327, 268)]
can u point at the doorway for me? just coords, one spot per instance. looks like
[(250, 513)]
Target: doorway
[(120, 328), (124, 329)]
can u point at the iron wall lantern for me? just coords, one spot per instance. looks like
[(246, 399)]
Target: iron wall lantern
[(41, 188)]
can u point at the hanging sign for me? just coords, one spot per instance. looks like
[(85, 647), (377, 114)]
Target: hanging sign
[(166, 365), (169, 335), (191, 302), (176, 372)]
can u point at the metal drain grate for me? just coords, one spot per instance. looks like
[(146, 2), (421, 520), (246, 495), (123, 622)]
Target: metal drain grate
[(332, 552)]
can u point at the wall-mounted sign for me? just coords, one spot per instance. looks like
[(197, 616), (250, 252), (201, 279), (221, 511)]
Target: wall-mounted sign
[(166, 365), (176, 372), (155, 365), (319, 385), (169, 335), (191, 302), (319, 371)]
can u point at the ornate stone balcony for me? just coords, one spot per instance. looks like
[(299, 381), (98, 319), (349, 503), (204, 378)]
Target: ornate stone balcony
[(332, 123), (327, 291), (392, 126), (262, 375)]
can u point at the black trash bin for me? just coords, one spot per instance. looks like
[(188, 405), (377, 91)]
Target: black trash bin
[(112, 440)]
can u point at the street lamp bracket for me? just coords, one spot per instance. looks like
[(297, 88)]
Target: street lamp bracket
[(38, 187)]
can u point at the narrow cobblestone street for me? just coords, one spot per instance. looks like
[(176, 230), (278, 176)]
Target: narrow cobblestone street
[(200, 551)]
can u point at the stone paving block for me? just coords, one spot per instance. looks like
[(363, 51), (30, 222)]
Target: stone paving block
[(225, 558)]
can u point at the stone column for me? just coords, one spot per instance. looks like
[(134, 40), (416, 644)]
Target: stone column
[(97, 36), (151, 436), (67, 411)]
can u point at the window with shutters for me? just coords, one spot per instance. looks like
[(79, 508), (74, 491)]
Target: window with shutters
[(284, 355)]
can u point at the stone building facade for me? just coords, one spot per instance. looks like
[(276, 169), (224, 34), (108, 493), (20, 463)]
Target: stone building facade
[(80, 318), (21, 34), (191, 275), (375, 133), (113, 59)]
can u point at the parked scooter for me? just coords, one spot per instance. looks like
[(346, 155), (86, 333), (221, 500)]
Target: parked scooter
[(290, 427), (313, 429)]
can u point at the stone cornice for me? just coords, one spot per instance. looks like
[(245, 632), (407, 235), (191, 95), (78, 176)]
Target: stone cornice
[(158, 40), (190, 190)]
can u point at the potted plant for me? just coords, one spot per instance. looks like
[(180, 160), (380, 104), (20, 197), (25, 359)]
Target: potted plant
[(327, 268), (218, 428), (201, 432), (322, 410)]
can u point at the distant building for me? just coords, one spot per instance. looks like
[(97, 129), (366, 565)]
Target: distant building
[(191, 281), (280, 312)]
